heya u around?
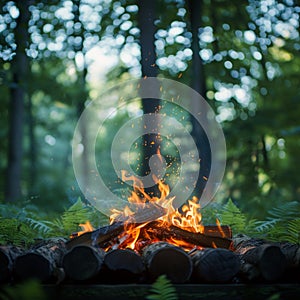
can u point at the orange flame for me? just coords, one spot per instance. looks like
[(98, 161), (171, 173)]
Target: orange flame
[(189, 218), (86, 227)]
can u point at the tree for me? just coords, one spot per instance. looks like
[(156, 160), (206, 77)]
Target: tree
[(151, 142), (198, 84), (18, 90)]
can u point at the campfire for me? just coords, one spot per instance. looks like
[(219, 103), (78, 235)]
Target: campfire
[(154, 219), (149, 238)]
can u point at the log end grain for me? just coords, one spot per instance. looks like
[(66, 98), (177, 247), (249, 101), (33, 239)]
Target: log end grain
[(163, 258), (32, 265), (126, 260), (5, 266), (215, 265), (272, 262), (83, 262)]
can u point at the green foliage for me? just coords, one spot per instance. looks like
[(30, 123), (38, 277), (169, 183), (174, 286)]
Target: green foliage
[(162, 289), (282, 223), (25, 291), (22, 226)]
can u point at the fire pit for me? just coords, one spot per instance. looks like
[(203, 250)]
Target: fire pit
[(153, 239)]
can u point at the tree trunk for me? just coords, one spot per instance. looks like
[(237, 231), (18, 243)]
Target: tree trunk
[(82, 98), (20, 70), (32, 149), (151, 141), (198, 84)]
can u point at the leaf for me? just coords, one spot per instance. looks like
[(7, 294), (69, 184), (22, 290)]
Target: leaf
[(162, 289)]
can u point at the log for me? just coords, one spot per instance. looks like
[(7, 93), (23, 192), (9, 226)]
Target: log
[(267, 260), (198, 239), (122, 266), (7, 256), (42, 261), (104, 234), (164, 258), (219, 231), (83, 262), (215, 265)]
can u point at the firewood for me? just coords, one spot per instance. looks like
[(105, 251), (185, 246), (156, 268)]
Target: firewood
[(215, 265), (219, 231), (198, 239), (163, 258), (83, 262), (104, 234), (122, 266), (268, 261), (41, 261), (291, 252), (7, 257)]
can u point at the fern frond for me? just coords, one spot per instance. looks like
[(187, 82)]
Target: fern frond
[(285, 211), (76, 214), (162, 289), (264, 226), (38, 226), (232, 215), (292, 234)]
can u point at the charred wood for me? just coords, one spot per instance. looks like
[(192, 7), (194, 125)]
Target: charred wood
[(104, 234), (215, 265), (164, 258), (260, 259), (7, 256), (199, 239), (83, 262), (122, 266), (43, 261)]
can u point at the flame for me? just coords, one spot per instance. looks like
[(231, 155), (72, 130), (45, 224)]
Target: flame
[(220, 228), (188, 218), (86, 227)]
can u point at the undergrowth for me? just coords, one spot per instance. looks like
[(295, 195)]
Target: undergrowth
[(25, 225)]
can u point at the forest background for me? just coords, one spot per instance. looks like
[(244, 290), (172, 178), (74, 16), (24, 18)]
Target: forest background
[(57, 56)]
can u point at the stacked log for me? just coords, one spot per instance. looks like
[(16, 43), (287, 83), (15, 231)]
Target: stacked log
[(163, 258), (260, 260), (122, 265), (215, 265), (83, 262), (43, 261), (215, 258), (8, 255)]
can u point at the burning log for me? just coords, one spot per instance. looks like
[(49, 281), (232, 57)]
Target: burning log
[(104, 234), (122, 266), (219, 231), (215, 265), (198, 239), (83, 262), (164, 258), (42, 261), (260, 259), (7, 256)]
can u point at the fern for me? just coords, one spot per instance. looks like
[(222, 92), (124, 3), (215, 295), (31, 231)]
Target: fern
[(39, 226), (12, 231), (162, 289), (232, 215), (282, 223)]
